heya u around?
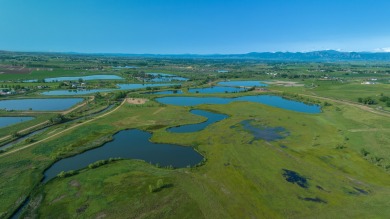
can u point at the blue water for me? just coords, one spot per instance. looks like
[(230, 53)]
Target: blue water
[(166, 92), (7, 121), (275, 101), (162, 77), (49, 104), (121, 87), (263, 132), (131, 144), (211, 119), (216, 89), (242, 84)]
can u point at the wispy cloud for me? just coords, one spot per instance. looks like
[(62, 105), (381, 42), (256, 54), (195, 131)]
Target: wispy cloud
[(384, 49)]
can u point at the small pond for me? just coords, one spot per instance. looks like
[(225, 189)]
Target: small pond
[(264, 132), (216, 89), (242, 84), (270, 100), (211, 119), (130, 144), (7, 121), (86, 91), (49, 104), (162, 77)]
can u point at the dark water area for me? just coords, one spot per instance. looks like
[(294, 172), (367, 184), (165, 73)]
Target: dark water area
[(269, 100), (7, 121), (316, 199), (129, 144), (295, 178), (264, 133), (12, 143), (211, 119), (19, 211), (49, 104)]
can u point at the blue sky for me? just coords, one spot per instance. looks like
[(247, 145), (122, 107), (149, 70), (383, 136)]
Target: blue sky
[(194, 26)]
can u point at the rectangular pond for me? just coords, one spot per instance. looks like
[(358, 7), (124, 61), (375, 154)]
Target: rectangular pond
[(163, 77), (48, 104), (7, 121)]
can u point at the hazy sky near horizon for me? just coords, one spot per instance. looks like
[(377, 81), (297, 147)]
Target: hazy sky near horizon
[(194, 26)]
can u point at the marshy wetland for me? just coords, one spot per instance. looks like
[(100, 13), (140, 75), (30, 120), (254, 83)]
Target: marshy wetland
[(280, 152)]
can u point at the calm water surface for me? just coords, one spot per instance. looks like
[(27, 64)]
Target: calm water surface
[(49, 104), (211, 119), (131, 144), (270, 100), (7, 121)]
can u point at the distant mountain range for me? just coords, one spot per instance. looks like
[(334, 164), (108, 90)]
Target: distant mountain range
[(325, 55)]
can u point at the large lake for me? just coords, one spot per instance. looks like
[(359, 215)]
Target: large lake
[(131, 144), (270, 100), (49, 104)]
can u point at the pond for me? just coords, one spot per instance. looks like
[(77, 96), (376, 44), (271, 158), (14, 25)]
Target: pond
[(264, 132), (12, 143), (7, 121), (242, 84), (211, 119), (217, 89), (162, 77), (270, 100), (86, 91), (49, 104), (130, 144)]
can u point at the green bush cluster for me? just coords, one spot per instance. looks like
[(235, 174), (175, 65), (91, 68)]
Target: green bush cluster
[(101, 163)]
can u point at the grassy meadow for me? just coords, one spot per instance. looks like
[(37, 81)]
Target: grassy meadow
[(334, 164)]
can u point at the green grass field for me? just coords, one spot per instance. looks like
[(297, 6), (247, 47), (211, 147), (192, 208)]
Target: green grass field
[(239, 179), (334, 164)]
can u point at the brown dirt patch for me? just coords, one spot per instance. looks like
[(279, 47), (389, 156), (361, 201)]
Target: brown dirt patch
[(58, 199), (137, 100), (74, 183), (285, 83), (7, 69)]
